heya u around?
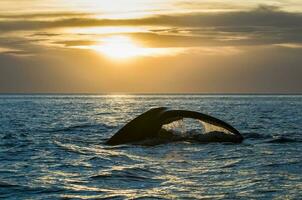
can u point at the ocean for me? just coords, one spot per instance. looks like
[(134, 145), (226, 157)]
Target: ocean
[(52, 147)]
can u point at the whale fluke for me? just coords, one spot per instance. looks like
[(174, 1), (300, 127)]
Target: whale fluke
[(149, 126)]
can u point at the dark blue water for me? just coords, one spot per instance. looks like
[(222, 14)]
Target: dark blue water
[(51, 147)]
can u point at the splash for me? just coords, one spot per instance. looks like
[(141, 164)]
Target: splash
[(177, 127), (190, 127), (208, 128)]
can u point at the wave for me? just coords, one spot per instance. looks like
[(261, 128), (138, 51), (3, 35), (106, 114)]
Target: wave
[(72, 148), (49, 190), (120, 176), (81, 127), (150, 197), (8, 136), (8, 185), (253, 135), (137, 173), (282, 140), (283, 164)]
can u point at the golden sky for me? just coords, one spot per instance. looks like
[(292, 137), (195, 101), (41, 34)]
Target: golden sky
[(151, 46)]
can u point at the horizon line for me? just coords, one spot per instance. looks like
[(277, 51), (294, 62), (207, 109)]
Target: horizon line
[(150, 93)]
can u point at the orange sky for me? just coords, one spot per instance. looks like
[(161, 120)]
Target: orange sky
[(144, 46)]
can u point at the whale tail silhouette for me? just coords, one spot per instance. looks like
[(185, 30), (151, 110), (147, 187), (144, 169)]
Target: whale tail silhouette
[(149, 126)]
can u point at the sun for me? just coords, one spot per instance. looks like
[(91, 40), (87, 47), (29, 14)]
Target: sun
[(121, 47)]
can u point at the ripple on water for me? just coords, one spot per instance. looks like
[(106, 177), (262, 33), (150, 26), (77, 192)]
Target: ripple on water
[(52, 147)]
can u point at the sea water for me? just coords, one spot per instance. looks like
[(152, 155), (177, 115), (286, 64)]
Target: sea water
[(52, 147)]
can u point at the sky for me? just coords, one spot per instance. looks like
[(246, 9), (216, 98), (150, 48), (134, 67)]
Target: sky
[(150, 46)]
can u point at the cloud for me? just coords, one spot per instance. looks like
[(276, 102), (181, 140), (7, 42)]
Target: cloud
[(75, 43), (290, 45), (12, 52), (47, 15), (20, 46), (261, 16), (264, 25), (4, 49)]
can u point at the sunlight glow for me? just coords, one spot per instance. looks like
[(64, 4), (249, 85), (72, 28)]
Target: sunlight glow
[(106, 30), (122, 47)]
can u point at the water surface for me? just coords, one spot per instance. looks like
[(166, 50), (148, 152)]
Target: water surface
[(51, 147)]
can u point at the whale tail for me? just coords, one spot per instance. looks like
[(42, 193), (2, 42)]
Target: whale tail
[(146, 125), (149, 125)]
